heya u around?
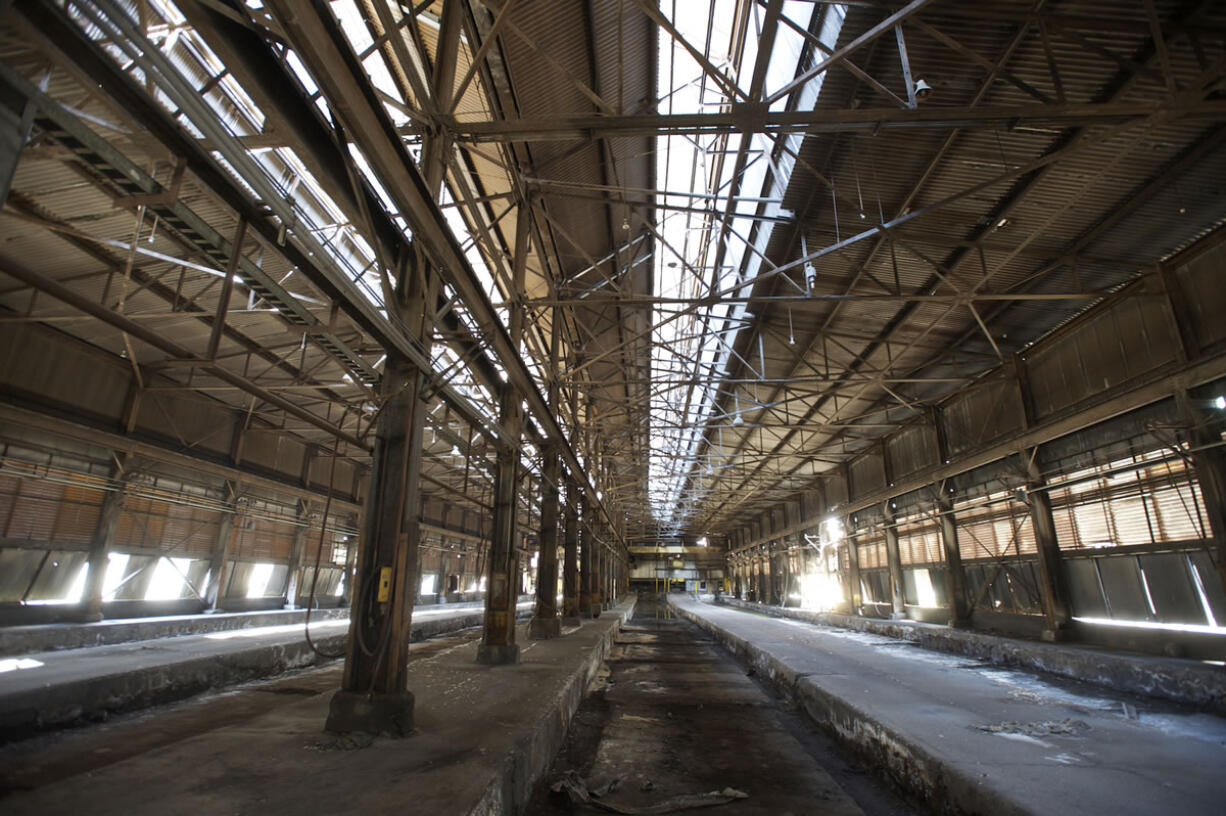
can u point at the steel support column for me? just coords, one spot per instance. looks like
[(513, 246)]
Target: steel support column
[(955, 573), (220, 558), (498, 636), (100, 547), (440, 580), (610, 581), (1052, 584), (351, 559), (596, 594), (374, 695), (1209, 465), (570, 563), (296, 549), (586, 545), (546, 623), (855, 591), (894, 557)]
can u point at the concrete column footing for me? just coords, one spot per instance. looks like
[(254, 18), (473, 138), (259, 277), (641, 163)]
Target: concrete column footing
[(498, 654), (385, 714), (545, 628)]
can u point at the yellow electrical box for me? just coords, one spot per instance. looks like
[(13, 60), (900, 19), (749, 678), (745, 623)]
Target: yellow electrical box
[(385, 584)]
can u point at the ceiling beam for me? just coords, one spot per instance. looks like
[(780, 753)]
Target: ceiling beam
[(749, 117)]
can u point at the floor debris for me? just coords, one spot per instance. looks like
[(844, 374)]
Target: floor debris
[(346, 742), (1038, 729), (577, 791)]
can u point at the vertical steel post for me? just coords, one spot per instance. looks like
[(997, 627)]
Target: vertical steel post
[(570, 564), (894, 558), (1052, 584)]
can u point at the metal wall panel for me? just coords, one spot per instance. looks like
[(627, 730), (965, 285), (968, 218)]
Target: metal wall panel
[(35, 506), (1201, 282), (836, 489), (191, 421), (138, 573), (1169, 580), (998, 529), (60, 370), (1086, 594), (321, 471), (936, 579), (982, 414), (1208, 580), (1127, 340), (867, 474), (190, 530), (38, 575), (77, 519), (1121, 579), (1010, 585), (919, 542), (274, 452), (59, 570), (141, 521), (876, 585), (262, 539), (911, 449), (872, 553), (1110, 506)]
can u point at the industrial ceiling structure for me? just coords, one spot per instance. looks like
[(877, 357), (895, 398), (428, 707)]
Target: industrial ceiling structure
[(901, 320), (748, 240)]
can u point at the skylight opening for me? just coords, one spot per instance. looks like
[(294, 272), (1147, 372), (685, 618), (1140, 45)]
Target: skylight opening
[(702, 253)]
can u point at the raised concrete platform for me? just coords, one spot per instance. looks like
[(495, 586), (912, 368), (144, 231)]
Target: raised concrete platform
[(483, 735), (21, 640), (54, 689), (1188, 682), (974, 738)]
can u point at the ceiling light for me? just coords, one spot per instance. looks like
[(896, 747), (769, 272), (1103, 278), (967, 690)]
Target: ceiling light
[(922, 89), (1220, 403)]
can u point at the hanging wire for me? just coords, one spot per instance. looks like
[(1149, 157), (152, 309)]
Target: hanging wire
[(319, 549)]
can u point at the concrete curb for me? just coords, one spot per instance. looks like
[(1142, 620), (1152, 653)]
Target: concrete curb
[(940, 785), (510, 791), (1187, 682), (91, 699)]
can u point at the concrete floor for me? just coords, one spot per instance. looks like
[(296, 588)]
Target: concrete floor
[(480, 732), (674, 714), (977, 738), (670, 712), (65, 687)]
